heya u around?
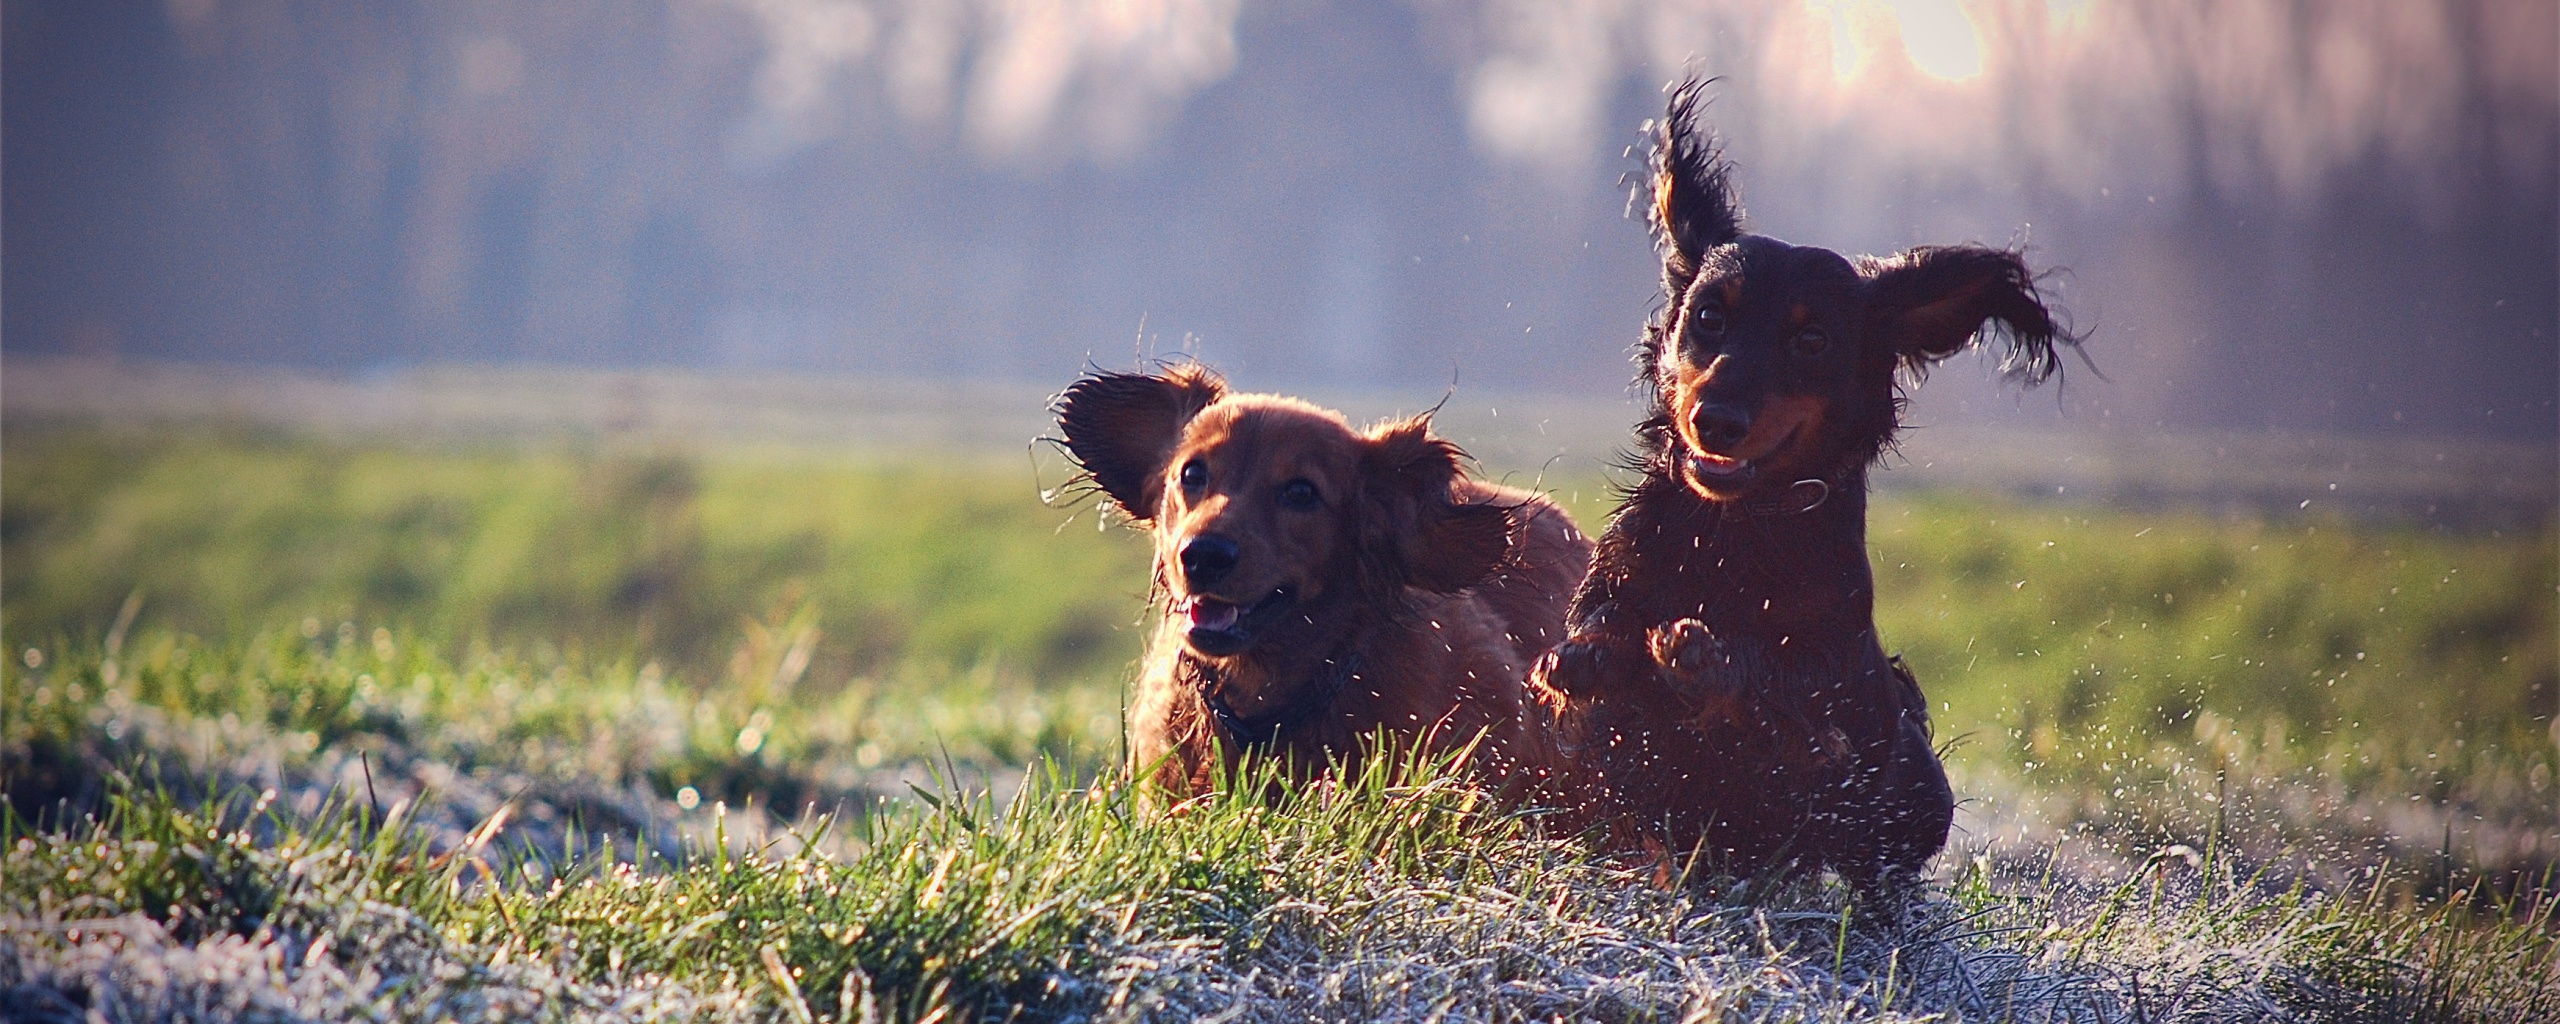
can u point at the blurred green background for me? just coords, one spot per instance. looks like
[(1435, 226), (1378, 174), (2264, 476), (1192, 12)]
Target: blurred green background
[(2371, 686)]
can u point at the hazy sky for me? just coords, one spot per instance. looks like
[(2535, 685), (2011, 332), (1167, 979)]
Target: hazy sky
[(2330, 216)]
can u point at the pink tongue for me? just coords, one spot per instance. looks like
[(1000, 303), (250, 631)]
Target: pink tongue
[(1206, 614)]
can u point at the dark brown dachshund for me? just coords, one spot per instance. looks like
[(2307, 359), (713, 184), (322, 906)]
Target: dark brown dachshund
[(1722, 674), (1318, 584)]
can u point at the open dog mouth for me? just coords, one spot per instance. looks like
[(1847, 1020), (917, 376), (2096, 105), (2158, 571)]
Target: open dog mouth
[(1728, 473), (1720, 469), (1220, 628)]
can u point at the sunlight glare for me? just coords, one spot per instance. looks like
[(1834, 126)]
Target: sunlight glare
[(1940, 38), (1937, 36)]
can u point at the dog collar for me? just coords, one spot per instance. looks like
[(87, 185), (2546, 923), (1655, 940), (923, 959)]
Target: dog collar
[(1799, 498), (1264, 730)]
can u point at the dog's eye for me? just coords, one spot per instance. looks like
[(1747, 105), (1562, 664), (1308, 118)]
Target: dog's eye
[(1709, 320), (1299, 494), (1812, 342), (1195, 475)]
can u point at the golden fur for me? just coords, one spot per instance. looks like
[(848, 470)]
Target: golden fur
[(1317, 584)]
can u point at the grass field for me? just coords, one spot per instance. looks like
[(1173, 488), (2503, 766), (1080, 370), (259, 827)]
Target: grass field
[(2215, 766)]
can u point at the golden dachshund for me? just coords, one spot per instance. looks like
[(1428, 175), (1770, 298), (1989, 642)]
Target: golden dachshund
[(1319, 585)]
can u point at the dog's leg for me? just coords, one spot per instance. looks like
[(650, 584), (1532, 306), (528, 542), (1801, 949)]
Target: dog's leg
[(1894, 818), (1918, 805)]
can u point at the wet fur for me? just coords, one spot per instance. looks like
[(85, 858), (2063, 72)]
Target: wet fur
[(1423, 595), (1722, 677)]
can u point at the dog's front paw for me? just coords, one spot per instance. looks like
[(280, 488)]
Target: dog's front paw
[(1576, 668), (1685, 647), (1689, 659)]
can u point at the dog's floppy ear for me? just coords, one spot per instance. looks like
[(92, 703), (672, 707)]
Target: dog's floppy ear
[(1929, 303), (1694, 207), (1409, 515), (1122, 427)]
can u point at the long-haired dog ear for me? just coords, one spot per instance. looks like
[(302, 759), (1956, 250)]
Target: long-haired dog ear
[(1930, 302), (1694, 206), (1123, 427), (1412, 519)]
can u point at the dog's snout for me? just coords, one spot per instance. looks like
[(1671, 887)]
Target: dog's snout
[(1206, 559), (1721, 427)]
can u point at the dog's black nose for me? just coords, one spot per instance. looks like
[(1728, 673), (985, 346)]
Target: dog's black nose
[(1206, 559), (1721, 427)]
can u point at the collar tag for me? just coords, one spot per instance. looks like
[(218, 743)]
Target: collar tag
[(1801, 497)]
